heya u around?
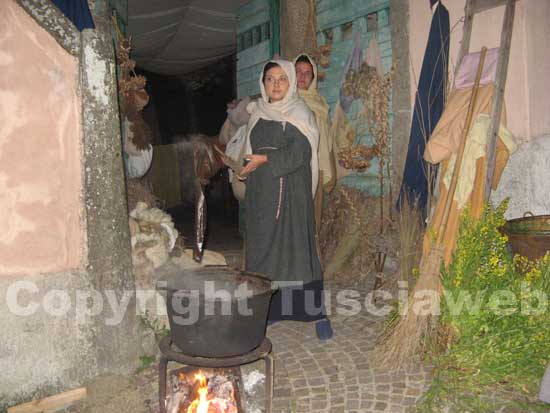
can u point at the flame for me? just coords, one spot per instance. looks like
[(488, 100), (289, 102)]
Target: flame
[(200, 405)]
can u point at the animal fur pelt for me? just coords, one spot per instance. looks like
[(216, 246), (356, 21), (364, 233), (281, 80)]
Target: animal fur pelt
[(153, 236)]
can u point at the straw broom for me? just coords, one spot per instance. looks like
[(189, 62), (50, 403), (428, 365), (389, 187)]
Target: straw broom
[(405, 341)]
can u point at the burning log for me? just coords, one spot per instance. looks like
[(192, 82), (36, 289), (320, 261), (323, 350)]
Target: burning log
[(202, 391)]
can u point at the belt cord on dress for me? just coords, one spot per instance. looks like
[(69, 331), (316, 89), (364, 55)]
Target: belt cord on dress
[(280, 198), (281, 182)]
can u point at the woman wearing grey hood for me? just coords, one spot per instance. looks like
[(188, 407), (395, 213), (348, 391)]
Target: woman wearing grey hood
[(281, 179)]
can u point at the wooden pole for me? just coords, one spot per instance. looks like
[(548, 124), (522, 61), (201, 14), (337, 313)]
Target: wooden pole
[(460, 153), (50, 403), (498, 97)]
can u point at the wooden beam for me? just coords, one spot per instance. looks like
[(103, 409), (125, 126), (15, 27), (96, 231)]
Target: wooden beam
[(498, 97), (481, 5), (50, 403), (466, 34)]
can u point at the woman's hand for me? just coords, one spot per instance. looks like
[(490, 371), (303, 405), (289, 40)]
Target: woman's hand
[(233, 104), (254, 161)]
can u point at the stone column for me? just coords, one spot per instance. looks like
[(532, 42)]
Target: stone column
[(399, 22), (293, 24), (109, 251)]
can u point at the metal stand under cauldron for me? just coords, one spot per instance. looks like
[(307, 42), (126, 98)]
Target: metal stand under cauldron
[(221, 335), (172, 353)]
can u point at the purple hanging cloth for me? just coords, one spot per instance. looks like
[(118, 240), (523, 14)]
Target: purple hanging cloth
[(354, 62)]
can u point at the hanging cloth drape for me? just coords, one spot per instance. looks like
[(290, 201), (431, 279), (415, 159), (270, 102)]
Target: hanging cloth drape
[(373, 57), (76, 11), (353, 62), (428, 107)]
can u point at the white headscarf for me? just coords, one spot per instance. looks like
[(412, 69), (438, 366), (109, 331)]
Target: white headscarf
[(290, 109)]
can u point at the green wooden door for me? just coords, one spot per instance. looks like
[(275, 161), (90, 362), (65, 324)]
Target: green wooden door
[(257, 41)]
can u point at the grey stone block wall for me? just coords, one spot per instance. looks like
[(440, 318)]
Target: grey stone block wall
[(42, 353)]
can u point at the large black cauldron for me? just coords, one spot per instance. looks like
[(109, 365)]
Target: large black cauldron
[(210, 317)]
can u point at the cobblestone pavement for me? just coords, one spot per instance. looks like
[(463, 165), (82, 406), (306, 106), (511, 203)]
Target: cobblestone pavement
[(334, 376), (310, 376), (338, 375)]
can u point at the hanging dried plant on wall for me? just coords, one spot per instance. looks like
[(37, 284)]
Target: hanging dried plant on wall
[(357, 157), (374, 91), (377, 110), (132, 95), (137, 136)]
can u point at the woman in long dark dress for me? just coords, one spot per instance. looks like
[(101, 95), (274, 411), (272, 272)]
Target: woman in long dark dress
[(281, 176)]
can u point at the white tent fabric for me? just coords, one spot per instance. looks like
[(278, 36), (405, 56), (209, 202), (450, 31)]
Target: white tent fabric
[(178, 36)]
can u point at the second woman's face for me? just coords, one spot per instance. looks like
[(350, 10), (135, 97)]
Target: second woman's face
[(276, 84)]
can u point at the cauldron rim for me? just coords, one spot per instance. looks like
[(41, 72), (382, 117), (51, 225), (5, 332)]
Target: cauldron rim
[(514, 226), (176, 281), (218, 334)]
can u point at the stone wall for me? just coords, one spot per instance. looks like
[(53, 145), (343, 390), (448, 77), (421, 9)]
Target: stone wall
[(71, 321), (527, 83), (42, 227), (525, 181)]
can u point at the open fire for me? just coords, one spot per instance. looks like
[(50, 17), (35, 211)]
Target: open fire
[(203, 391)]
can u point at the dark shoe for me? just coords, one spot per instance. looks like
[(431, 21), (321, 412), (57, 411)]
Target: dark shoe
[(324, 329)]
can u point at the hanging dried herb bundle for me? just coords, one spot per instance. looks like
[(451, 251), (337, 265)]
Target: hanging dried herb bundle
[(374, 90), (376, 110), (310, 46), (132, 95), (357, 157)]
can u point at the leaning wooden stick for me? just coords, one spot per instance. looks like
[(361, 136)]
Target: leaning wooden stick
[(406, 340), (51, 403)]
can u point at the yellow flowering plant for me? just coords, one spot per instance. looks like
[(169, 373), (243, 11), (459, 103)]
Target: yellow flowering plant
[(494, 321)]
